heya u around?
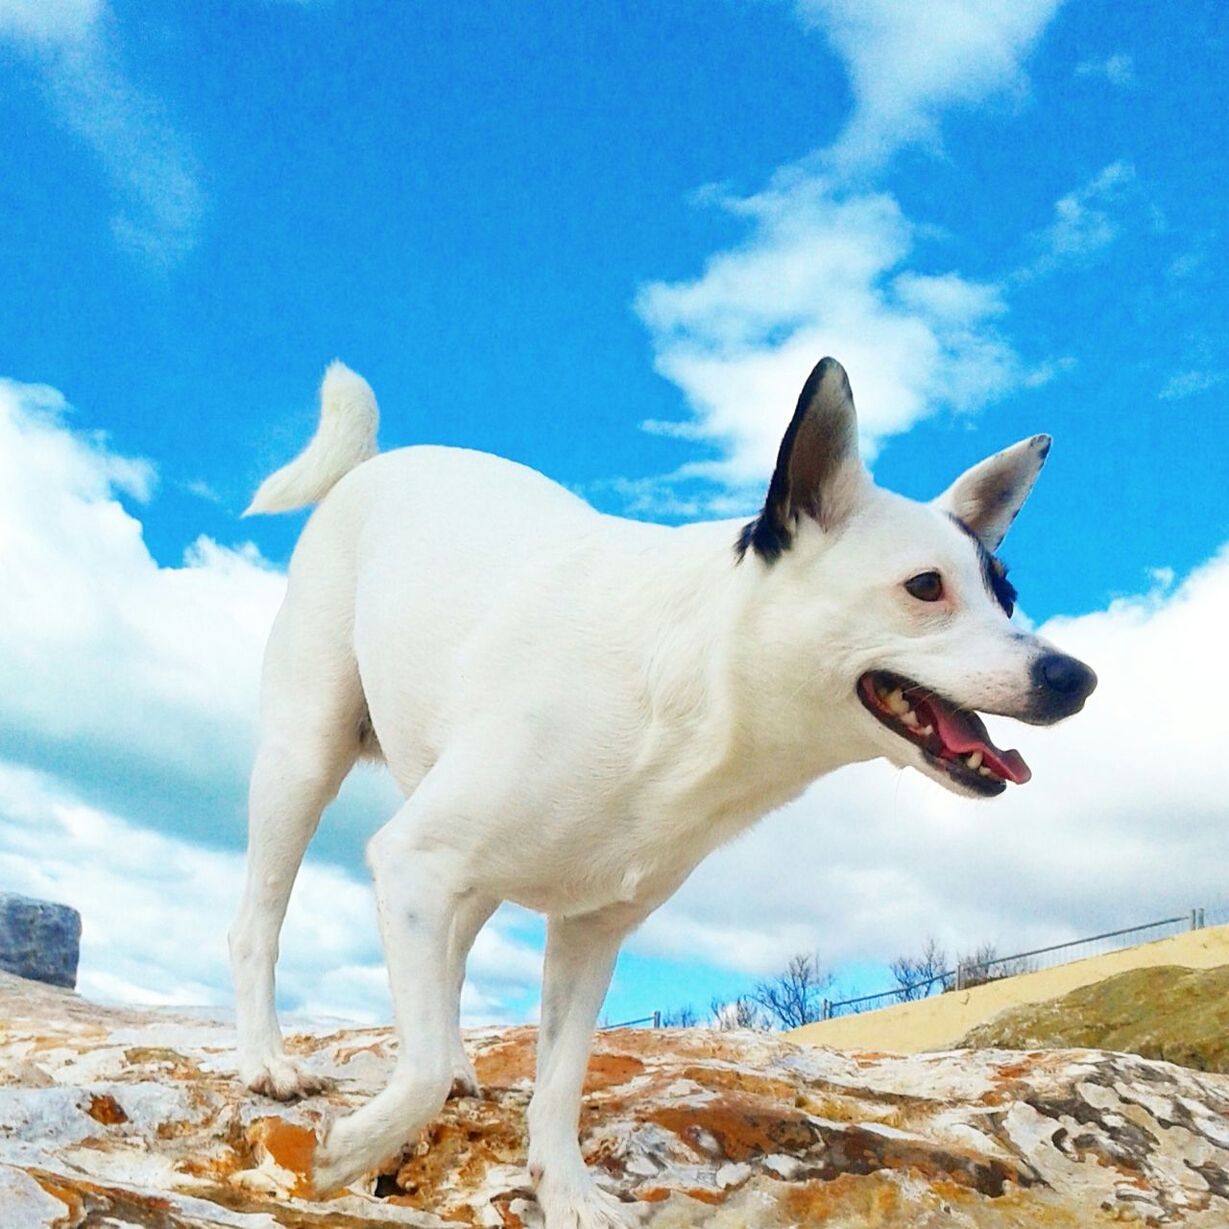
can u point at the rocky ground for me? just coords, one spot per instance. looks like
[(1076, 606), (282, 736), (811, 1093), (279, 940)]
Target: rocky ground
[(134, 1118)]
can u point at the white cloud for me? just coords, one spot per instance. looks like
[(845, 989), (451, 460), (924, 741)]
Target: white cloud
[(100, 647), (148, 164), (136, 682), (1122, 823), (1188, 383), (1117, 69), (909, 62), (49, 20), (1086, 220), (818, 273), (949, 298), (822, 268), (155, 910), (1190, 262)]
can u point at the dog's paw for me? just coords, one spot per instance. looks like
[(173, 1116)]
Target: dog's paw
[(283, 1079), (332, 1168), (583, 1205), (464, 1079), (464, 1086)]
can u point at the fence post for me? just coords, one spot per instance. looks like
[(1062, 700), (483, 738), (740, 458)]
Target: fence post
[(1194, 919), (826, 1010), (1201, 922), (960, 976), (657, 1019)]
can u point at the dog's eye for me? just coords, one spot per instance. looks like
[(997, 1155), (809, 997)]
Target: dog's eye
[(926, 586)]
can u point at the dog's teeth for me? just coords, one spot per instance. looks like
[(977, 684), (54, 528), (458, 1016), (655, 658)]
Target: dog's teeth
[(926, 731), (985, 772), (974, 760), (909, 717), (897, 703)]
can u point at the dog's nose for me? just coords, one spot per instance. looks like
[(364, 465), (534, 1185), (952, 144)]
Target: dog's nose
[(1066, 680)]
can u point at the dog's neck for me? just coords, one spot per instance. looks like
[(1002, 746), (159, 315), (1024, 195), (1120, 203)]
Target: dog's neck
[(747, 739)]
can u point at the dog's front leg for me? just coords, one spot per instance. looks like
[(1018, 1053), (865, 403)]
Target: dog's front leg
[(580, 957), (472, 914)]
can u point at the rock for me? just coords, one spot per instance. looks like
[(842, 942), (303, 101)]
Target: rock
[(39, 940), (142, 1122), (1176, 1014)]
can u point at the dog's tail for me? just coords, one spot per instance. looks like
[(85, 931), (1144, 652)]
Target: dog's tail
[(345, 437)]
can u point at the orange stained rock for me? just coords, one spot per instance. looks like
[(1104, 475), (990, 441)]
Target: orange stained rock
[(510, 1063), (611, 1070), (169, 1062), (345, 1054), (868, 1196), (289, 1145), (732, 1079), (510, 1219), (1056, 1140), (877, 1201), (453, 1154), (513, 1062), (106, 1109), (65, 1194), (659, 1194), (1014, 1071), (740, 1127)]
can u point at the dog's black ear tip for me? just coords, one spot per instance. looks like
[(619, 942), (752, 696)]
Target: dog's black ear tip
[(828, 375), (1041, 444)]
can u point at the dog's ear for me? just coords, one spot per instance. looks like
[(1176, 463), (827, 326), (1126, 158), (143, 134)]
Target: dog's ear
[(818, 470), (988, 496)]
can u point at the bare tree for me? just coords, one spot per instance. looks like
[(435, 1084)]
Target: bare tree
[(984, 964), (741, 1012), (922, 975), (681, 1017), (795, 996)]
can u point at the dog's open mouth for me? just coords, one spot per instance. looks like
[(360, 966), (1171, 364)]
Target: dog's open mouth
[(953, 738)]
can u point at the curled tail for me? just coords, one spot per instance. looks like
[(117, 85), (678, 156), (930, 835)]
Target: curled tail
[(345, 437)]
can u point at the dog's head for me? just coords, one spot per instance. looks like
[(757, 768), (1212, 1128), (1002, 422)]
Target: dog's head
[(895, 616)]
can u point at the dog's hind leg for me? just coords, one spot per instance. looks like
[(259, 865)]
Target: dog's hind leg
[(421, 883), (311, 720), (580, 958)]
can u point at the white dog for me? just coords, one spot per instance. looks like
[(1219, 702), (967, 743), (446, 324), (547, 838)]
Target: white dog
[(578, 708)]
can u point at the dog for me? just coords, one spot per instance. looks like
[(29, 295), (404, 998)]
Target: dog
[(578, 708)]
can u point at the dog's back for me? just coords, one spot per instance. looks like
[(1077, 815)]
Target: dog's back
[(401, 564)]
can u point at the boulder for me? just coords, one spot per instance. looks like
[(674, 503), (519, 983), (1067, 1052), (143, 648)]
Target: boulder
[(1163, 1011), (39, 940), (135, 1117)]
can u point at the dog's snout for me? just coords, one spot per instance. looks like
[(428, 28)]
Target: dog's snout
[(1064, 683)]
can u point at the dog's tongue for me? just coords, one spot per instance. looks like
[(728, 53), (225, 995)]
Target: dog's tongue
[(960, 735)]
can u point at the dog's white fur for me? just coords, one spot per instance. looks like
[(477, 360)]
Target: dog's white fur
[(577, 709)]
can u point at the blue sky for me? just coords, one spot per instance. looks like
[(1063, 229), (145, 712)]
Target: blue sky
[(607, 242)]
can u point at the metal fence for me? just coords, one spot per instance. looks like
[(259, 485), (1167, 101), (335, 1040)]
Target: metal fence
[(654, 1020), (970, 973)]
